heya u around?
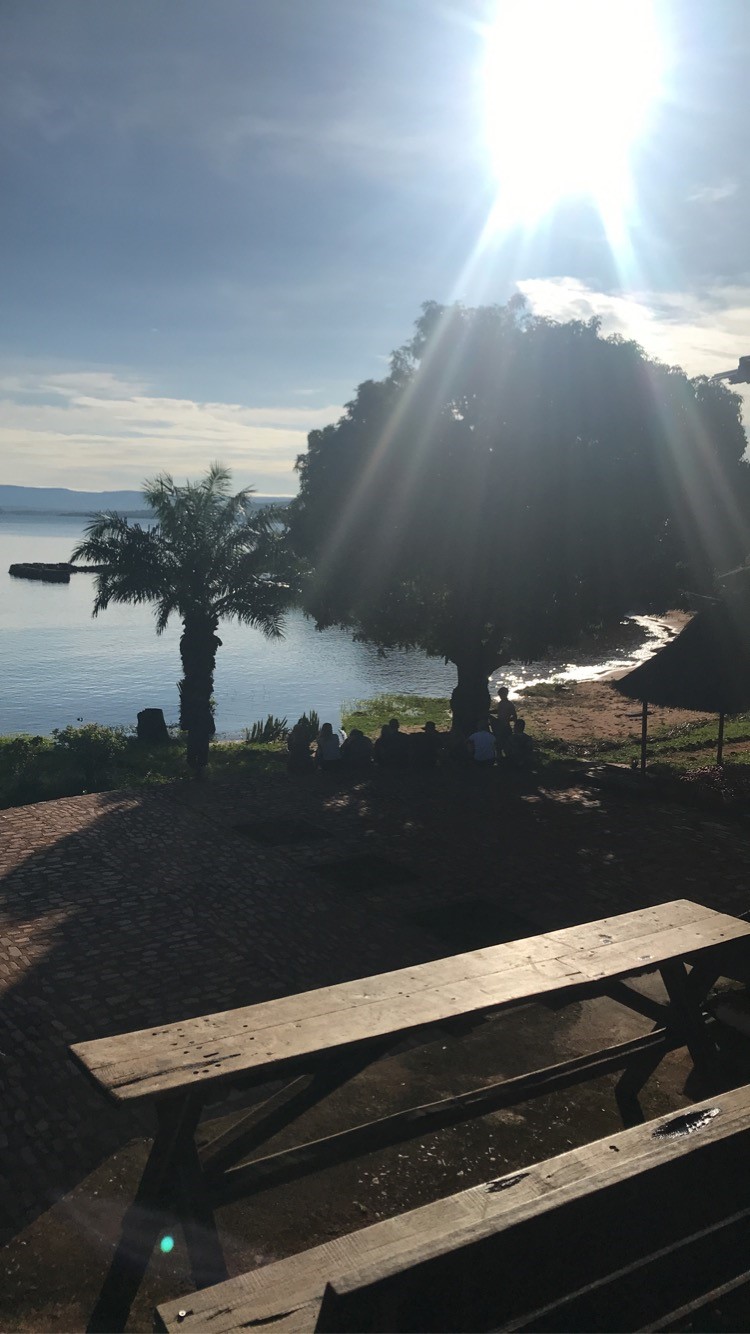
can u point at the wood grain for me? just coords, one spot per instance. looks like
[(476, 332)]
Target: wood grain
[(279, 1035), (290, 1291)]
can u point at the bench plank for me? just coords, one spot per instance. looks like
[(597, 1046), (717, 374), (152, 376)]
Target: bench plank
[(271, 1037), (288, 1293)]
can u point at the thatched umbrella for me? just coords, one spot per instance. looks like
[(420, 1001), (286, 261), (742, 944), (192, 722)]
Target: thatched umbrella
[(705, 668)]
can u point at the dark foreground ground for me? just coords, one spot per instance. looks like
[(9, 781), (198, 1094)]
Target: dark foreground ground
[(124, 911)]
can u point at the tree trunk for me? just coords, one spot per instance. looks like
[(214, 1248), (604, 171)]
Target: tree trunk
[(470, 700), (198, 646)]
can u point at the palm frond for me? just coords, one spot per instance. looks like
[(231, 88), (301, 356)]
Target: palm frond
[(217, 480), (209, 554)]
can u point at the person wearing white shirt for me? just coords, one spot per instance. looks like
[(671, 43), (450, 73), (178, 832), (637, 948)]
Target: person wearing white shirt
[(481, 744)]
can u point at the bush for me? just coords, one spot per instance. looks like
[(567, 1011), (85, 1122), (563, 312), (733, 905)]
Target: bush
[(93, 749), (310, 722), (24, 761), (20, 753), (263, 733)]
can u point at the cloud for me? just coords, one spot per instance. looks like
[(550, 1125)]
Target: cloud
[(714, 194), (703, 332), (96, 429)]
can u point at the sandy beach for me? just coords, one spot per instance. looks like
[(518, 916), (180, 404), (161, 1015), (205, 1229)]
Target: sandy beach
[(593, 710)]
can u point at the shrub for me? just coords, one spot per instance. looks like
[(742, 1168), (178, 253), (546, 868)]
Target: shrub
[(92, 748), (23, 768), (263, 733), (311, 723), (20, 753)]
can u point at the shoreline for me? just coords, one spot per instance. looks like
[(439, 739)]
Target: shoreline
[(574, 709), (581, 711), (673, 621)]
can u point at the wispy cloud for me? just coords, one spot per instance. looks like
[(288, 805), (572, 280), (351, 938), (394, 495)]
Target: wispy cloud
[(95, 429), (704, 332), (714, 194)]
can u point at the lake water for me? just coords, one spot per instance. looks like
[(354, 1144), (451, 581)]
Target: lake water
[(59, 664)]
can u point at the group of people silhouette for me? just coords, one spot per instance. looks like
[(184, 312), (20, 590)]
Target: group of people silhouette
[(500, 738)]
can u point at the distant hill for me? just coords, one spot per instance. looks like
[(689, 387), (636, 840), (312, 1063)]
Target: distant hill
[(59, 500)]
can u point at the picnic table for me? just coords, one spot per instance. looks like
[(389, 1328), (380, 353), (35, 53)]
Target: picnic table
[(320, 1039)]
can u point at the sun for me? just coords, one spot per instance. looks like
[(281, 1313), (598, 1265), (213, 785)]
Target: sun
[(568, 85)]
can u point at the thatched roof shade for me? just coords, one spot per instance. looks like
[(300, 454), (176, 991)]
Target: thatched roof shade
[(706, 667)]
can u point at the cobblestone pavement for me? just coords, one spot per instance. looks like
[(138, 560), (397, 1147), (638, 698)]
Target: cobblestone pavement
[(121, 911)]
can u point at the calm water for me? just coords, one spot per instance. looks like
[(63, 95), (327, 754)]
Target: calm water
[(58, 664)]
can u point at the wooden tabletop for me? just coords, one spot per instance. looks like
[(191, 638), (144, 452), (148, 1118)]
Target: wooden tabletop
[(273, 1036)]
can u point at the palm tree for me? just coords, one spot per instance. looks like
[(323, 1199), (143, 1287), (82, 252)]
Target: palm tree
[(210, 557)]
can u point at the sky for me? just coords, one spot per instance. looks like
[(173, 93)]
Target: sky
[(217, 218)]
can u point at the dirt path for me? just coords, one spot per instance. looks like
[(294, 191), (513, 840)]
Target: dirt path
[(593, 710)]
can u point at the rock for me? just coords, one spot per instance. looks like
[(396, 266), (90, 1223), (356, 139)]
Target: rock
[(152, 727)]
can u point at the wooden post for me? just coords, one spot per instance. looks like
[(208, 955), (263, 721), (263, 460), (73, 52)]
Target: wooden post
[(644, 735), (720, 747)]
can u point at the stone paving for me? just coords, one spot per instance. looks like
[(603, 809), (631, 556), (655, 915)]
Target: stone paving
[(121, 911)]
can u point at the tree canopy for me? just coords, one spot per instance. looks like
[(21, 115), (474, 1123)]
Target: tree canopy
[(513, 482), (210, 556)]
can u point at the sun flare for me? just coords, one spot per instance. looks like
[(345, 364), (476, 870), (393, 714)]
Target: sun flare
[(568, 85)]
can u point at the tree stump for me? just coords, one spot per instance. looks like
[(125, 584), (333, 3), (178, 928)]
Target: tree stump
[(152, 727)]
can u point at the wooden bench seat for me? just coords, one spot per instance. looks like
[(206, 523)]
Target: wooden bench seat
[(616, 1234)]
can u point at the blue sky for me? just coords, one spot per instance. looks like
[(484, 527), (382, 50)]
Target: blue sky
[(218, 216)]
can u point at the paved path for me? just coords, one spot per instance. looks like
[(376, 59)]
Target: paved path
[(121, 911)]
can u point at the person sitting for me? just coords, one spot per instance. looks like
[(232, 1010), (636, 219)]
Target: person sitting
[(298, 745), (392, 746), (425, 746), (521, 747), (399, 741), (356, 751), (481, 744), (380, 748), (328, 748), (454, 746)]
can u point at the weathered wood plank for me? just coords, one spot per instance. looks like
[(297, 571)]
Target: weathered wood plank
[(650, 951), (628, 926), (269, 1038), (294, 1287)]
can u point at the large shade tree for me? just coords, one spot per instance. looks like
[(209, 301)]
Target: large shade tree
[(209, 556), (512, 483)]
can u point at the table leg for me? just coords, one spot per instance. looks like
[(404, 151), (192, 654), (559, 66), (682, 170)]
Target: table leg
[(149, 1214), (687, 1017), (198, 1223), (629, 1085)]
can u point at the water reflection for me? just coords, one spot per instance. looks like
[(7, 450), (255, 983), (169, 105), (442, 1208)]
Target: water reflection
[(517, 674)]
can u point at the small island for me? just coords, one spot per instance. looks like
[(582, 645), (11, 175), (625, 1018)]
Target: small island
[(50, 572)]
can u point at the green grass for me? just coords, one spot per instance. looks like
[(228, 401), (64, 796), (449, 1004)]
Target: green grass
[(681, 747), (41, 768), (369, 715), (546, 690), (36, 769)]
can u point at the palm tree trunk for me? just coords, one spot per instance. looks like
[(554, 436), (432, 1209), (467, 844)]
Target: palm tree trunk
[(198, 646)]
